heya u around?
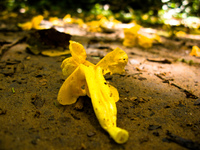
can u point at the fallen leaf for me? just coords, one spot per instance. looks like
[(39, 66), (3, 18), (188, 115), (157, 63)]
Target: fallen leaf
[(160, 60), (40, 40)]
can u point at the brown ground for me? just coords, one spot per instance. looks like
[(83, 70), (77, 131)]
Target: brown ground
[(159, 98)]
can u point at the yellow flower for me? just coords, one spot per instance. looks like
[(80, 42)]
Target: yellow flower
[(195, 51), (25, 26), (180, 34), (133, 38), (85, 78), (33, 24), (130, 36), (54, 20), (68, 19), (144, 41), (36, 22)]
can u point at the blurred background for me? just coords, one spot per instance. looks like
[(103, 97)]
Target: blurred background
[(146, 12)]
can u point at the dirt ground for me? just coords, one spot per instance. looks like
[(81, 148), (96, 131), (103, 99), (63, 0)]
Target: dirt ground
[(159, 97)]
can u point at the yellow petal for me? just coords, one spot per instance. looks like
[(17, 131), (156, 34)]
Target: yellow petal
[(180, 34), (68, 66), (87, 63), (130, 36), (132, 30), (113, 62), (25, 26), (72, 88), (114, 92), (130, 41), (54, 20), (36, 21), (68, 19), (103, 103), (54, 53), (77, 51), (157, 38), (144, 41), (195, 51)]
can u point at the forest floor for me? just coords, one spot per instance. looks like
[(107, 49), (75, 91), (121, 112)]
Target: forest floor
[(159, 96)]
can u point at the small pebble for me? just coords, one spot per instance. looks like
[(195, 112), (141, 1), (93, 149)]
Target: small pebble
[(91, 133)]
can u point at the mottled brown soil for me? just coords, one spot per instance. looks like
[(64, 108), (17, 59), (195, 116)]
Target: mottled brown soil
[(159, 99)]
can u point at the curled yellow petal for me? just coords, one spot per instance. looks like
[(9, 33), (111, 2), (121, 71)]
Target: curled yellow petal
[(113, 62), (72, 88), (25, 26), (77, 51), (68, 66)]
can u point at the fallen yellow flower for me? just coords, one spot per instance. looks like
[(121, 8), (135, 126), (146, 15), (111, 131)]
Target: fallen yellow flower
[(55, 21), (195, 51), (25, 26), (94, 26), (33, 24), (85, 78), (180, 34), (103, 25), (133, 38), (130, 36), (68, 19), (144, 41)]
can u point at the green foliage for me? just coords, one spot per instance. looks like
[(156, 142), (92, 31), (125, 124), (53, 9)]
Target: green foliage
[(98, 9), (148, 12)]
